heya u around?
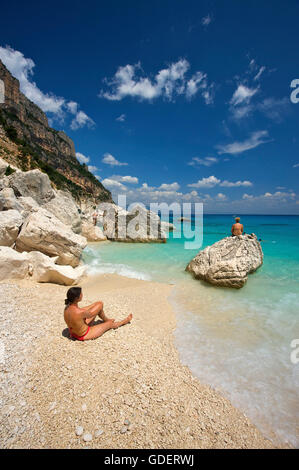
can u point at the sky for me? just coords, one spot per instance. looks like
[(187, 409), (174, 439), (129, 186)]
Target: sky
[(169, 101)]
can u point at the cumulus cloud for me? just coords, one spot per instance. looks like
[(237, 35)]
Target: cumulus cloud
[(92, 169), (22, 68), (111, 160), (113, 184), (212, 181), (169, 187), (125, 179), (257, 138), (82, 158), (167, 83)]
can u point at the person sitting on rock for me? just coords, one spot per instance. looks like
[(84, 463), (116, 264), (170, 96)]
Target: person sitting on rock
[(237, 228), (79, 320), (95, 218)]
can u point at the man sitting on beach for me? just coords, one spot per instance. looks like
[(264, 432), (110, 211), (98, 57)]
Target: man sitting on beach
[(237, 228), (79, 320)]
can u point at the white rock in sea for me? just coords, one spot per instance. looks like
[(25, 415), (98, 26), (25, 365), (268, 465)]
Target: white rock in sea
[(13, 265), (43, 232), (10, 223), (92, 232), (64, 208), (228, 262), (44, 269), (32, 183)]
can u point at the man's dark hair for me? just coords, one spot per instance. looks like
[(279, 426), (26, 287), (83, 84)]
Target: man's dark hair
[(72, 294)]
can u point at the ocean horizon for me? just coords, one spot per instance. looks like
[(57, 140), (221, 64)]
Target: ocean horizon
[(236, 341)]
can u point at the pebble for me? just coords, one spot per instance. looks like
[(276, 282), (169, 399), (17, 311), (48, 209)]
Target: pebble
[(127, 422), (79, 430), (87, 437), (84, 407), (99, 432), (123, 429)]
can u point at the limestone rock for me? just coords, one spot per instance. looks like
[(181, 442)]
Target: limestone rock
[(32, 183), (43, 232), (92, 232), (13, 265), (28, 205), (228, 262), (10, 223), (64, 208), (8, 200), (44, 269)]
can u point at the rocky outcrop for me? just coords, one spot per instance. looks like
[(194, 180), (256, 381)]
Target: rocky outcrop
[(228, 262), (64, 208), (10, 223), (43, 232), (32, 183), (37, 266), (25, 133)]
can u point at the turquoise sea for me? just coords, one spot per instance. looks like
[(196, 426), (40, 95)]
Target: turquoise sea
[(237, 341)]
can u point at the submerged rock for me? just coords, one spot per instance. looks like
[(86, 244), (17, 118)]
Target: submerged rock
[(228, 262)]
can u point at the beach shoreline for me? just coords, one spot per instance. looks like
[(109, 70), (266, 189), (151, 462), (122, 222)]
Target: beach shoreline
[(127, 389)]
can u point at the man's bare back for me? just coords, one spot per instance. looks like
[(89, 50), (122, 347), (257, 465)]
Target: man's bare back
[(237, 228)]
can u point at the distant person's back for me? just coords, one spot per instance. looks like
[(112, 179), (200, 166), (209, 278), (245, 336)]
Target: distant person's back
[(237, 228)]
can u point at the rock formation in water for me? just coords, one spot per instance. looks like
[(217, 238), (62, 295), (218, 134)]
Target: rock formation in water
[(228, 262)]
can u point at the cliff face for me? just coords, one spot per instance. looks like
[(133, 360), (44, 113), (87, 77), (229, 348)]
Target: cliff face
[(27, 141)]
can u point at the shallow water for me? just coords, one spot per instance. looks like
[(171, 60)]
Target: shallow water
[(238, 341)]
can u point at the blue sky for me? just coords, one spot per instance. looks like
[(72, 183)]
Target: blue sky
[(169, 100)]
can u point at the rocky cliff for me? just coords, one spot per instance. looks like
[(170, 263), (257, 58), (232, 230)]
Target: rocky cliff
[(28, 142)]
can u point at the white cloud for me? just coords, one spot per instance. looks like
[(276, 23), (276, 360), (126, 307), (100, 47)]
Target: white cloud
[(111, 160), (169, 187), (121, 118), (258, 75), (221, 197), (209, 182), (257, 138), (125, 179), (22, 68), (167, 83), (206, 20), (82, 158), (229, 184), (212, 181), (92, 169), (206, 161), (80, 120), (242, 94), (296, 165), (274, 108), (111, 183)]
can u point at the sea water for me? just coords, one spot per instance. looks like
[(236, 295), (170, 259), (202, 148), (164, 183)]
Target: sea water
[(237, 341)]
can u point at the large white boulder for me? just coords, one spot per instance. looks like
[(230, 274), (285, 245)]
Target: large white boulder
[(228, 262), (13, 265), (8, 200), (92, 232), (10, 223), (32, 183), (64, 208), (28, 205), (37, 266), (43, 232), (43, 269)]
